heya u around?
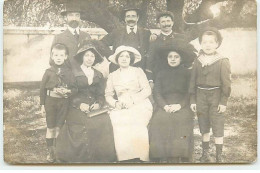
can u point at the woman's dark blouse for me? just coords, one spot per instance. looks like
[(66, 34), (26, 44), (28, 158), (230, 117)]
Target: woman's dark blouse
[(171, 86), (52, 78), (88, 94)]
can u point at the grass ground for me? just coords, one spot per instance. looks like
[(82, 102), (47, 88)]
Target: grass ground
[(24, 127)]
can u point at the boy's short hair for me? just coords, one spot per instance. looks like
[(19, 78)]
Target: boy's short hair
[(60, 46), (211, 31)]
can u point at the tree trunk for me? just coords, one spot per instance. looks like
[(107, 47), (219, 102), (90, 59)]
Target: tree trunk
[(97, 11), (143, 8), (176, 7)]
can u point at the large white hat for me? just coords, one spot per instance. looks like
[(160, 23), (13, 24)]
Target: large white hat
[(120, 49)]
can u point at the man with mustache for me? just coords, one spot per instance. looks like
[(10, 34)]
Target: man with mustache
[(72, 37), (130, 35), (153, 65)]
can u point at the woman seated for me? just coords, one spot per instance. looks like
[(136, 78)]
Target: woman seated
[(84, 138), (133, 109), (171, 128)]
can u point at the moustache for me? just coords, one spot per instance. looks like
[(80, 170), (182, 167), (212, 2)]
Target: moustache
[(131, 21), (166, 26), (74, 24)]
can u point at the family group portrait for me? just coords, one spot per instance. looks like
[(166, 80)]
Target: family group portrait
[(119, 82)]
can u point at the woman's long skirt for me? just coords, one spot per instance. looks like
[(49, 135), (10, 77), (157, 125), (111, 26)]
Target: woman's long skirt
[(171, 134), (130, 131), (90, 140)]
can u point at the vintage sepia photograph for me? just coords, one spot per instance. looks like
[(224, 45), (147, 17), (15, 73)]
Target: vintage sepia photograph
[(129, 82)]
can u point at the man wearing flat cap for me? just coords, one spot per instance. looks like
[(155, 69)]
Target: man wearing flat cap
[(129, 35), (166, 22), (72, 37)]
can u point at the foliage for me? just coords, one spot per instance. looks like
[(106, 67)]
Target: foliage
[(32, 13), (35, 13), (39, 13), (106, 13)]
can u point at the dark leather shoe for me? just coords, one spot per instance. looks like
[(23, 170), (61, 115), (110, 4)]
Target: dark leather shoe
[(51, 155), (219, 158), (206, 158)]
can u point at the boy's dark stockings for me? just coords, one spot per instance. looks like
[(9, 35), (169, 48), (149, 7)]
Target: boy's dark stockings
[(51, 150), (219, 156)]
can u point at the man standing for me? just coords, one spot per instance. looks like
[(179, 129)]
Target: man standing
[(72, 37), (130, 35), (166, 22)]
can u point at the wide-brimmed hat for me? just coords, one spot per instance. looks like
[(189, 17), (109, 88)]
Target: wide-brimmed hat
[(130, 8), (182, 47), (164, 13), (71, 6), (102, 48), (120, 49), (88, 45), (212, 29)]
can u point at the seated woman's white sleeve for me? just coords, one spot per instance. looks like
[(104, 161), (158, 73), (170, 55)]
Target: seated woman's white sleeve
[(110, 92), (145, 91)]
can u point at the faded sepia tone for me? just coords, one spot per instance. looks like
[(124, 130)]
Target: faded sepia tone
[(30, 26)]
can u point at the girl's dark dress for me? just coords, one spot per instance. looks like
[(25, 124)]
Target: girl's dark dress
[(171, 134), (83, 139)]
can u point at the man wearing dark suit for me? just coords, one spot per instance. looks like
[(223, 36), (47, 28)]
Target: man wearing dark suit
[(166, 22), (72, 37), (130, 35)]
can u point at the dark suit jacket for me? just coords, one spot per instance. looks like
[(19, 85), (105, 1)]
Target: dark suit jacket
[(117, 38), (68, 39)]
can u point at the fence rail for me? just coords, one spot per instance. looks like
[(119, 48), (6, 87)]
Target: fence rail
[(96, 33)]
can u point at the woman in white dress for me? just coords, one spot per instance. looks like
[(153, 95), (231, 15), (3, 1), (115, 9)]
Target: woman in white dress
[(127, 91)]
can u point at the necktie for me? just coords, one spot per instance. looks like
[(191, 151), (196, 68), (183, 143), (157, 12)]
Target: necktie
[(76, 35), (132, 31)]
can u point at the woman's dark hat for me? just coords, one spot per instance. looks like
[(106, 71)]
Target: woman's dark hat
[(71, 6), (88, 45), (164, 13), (103, 49), (130, 8), (182, 47), (212, 29)]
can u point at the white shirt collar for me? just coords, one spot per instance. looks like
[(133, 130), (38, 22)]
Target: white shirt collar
[(208, 60), (163, 33), (89, 72), (129, 30), (72, 30), (83, 67)]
